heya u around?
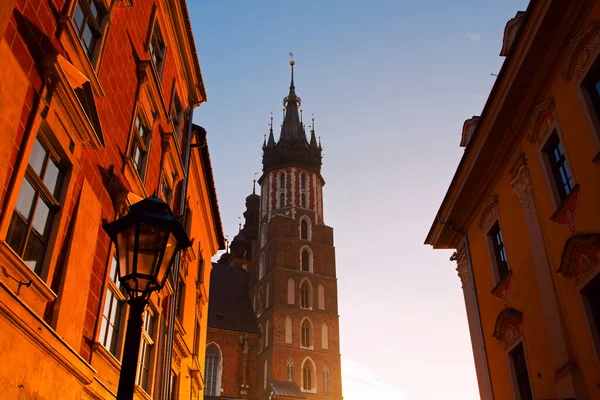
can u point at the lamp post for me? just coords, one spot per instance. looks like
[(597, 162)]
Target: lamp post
[(147, 240)]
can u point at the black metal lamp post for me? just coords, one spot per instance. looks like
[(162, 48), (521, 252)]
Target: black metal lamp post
[(147, 240)]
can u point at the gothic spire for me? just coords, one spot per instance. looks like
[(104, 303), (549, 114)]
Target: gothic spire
[(313, 138), (271, 141), (292, 129)]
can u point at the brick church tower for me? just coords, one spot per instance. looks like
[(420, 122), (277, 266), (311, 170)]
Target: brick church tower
[(293, 282)]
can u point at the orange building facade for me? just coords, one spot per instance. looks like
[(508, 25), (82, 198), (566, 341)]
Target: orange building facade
[(96, 104), (523, 211)]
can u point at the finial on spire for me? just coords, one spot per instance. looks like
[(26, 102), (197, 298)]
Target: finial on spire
[(271, 141), (313, 139), (239, 224), (254, 183), (301, 111), (313, 122)]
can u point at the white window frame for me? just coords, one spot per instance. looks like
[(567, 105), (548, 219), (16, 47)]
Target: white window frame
[(311, 334), (113, 287), (219, 371)]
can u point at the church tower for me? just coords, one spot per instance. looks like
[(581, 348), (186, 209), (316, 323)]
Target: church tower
[(293, 277)]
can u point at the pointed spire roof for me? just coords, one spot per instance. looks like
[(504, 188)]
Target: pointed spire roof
[(271, 141), (313, 138), (292, 129)]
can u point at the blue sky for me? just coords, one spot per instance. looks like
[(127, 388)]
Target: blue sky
[(391, 84)]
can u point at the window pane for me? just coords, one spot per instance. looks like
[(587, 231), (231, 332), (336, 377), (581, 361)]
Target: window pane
[(86, 37), (79, 16), (93, 9), (25, 199), (34, 252), (17, 233), (41, 217), (52, 178), (38, 157)]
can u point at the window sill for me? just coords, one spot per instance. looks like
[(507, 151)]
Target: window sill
[(107, 356), (307, 348), (17, 269), (565, 213), (142, 393), (306, 308), (68, 37), (133, 178), (309, 391), (501, 288)]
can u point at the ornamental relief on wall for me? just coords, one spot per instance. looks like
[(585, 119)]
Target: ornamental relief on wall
[(582, 50), (488, 213), (541, 121), (581, 257)]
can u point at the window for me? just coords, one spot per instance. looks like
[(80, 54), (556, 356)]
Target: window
[(113, 307), (325, 335), (180, 298), (326, 382), (495, 235), (321, 296), (281, 200), (306, 334), (305, 260), (558, 166), (267, 333), (303, 200), (260, 335), (146, 352), (282, 180), (196, 337), (303, 181), (139, 145), (592, 86), (290, 369), (519, 365), (174, 389), (263, 235), (200, 277), (291, 291), (305, 295), (166, 190), (88, 18), (265, 374), (267, 295), (307, 375), (304, 229), (261, 267), (177, 118), (259, 303), (288, 329), (157, 49), (36, 207), (592, 295), (213, 370)]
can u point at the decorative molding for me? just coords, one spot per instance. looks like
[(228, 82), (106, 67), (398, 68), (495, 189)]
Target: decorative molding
[(501, 289), (510, 32), (508, 326), (462, 264), (565, 214), (541, 121), (468, 128), (582, 50), (521, 185), (581, 256), (488, 213)]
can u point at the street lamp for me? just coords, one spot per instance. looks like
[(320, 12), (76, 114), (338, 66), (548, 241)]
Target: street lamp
[(147, 240)]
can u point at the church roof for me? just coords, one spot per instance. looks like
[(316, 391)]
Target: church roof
[(286, 390), (229, 305)]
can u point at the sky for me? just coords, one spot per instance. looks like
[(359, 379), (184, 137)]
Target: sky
[(391, 84)]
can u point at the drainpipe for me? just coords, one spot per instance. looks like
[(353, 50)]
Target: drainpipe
[(175, 270), (474, 287)]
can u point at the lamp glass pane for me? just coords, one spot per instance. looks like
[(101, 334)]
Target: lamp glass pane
[(170, 248), (125, 249), (152, 245)]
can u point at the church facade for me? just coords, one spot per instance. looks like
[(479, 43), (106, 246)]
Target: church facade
[(273, 329)]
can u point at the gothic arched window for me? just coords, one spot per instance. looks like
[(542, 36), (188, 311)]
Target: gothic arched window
[(261, 267), (304, 229), (305, 295), (326, 382), (267, 333), (305, 260), (306, 334), (324, 336), (303, 181), (288, 329), (291, 291), (213, 370), (290, 369), (321, 296), (303, 200), (307, 375), (265, 375), (282, 180), (263, 235), (281, 200)]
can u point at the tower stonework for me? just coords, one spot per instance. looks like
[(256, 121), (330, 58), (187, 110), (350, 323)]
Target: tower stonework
[(293, 277)]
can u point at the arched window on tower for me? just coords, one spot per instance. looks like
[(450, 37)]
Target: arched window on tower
[(265, 375), (213, 370), (326, 381), (263, 235), (303, 200), (325, 336), (306, 260), (259, 303), (291, 291), (306, 334), (267, 333), (261, 267), (305, 295), (282, 180), (321, 296), (288, 329), (304, 229), (260, 339), (308, 375), (290, 369), (303, 181), (281, 200)]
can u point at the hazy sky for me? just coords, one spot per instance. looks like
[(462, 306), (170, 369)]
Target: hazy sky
[(390, 84)]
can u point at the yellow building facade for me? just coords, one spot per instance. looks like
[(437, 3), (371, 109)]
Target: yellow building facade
[(96, 107), (523, 211)]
